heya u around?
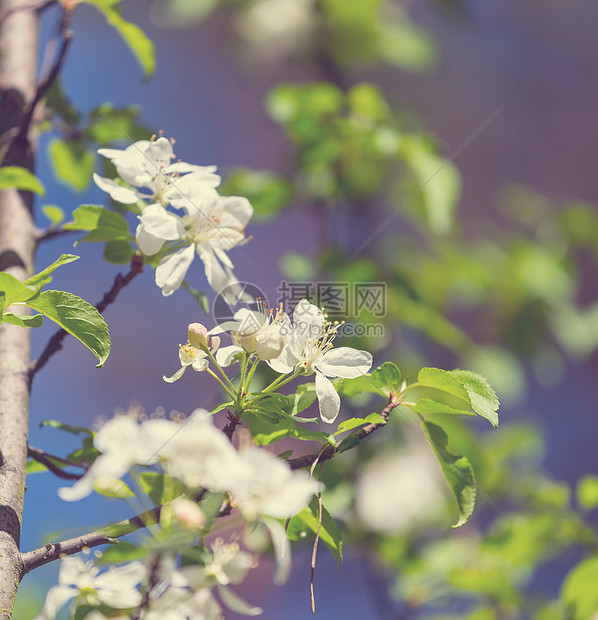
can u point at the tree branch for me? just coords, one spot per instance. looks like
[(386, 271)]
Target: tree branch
[(55, 343), (105, 536), (329, 452), (48, 80), (46, 459)]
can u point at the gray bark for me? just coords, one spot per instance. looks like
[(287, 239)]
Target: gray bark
[(18, 66)]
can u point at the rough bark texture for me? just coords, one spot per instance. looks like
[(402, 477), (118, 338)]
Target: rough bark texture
[(18, 52)]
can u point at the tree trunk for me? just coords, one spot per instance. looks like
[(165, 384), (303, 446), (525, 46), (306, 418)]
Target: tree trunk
[(18, 65)]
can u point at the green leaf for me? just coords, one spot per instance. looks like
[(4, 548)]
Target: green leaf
[(111, 124), (34, 467), (160, 488), (36, 320), (352, 423), (74, 430), (436, 182), (267, 192), (352, 441), (587, 492), (266, 431), (359, 385), (118, 252), (329, 532), (90, 217), (102, 224), (457, 471), (78, 318), (481, 395), (14, 291), (53, 213), (306, 434), (121, 552), (21, 178), (387, 376), (302, 399), (44, 277), (132, 35), (442, 380), (72, 162), (580, 595), (428, 406)]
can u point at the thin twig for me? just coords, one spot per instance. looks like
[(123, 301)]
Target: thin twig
[(55, 343), (52, 233), (329, 451), (152, 582), (49, 79), (46, 459)]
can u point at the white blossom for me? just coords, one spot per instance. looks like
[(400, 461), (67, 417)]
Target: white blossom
[(122, 443), (195, 357), (309, 349), (258, 331), (82, 581), (265, 485), (211, 226), (147, 165)]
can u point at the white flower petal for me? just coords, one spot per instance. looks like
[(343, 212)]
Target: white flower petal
[(237, 212), (160, 223), (218, 277), (328, 398), (344, 362), (56, 598), (282, 550), (284, 363), (224, 356), (117, 192), (177, 375), (172, 269), (235, 603), (147, 243)]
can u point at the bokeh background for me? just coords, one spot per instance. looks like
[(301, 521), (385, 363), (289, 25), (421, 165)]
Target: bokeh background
[(509, 90)]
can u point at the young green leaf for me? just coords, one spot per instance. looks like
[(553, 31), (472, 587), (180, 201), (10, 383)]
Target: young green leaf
[(481, 395), (72, 162), (353, 387), (13, 290), (442, 380), (74, 430), (36, 320), (44, 277), (53, 213), (587, 492), (121, 552), (102, 224), (200, 297), (329, 532), (387, 376), (349, 425), (302, 399), (580, 595), (21, 178), (428, 406), (457, 471), (118, 252), (132, 35), (78, 318), (160, 488), (266, 431)]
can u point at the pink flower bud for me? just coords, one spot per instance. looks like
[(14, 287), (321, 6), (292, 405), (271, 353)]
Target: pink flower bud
[(198, 335)]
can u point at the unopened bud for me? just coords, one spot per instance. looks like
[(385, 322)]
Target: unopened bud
[(198, 335), (269, 343), (188, 513)]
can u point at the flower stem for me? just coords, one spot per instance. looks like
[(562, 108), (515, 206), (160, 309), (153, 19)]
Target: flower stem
[(224, 386)]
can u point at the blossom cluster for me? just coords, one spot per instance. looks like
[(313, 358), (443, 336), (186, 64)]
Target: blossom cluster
[(185, 592), (303, 346), (202, 457), (180, 213)]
